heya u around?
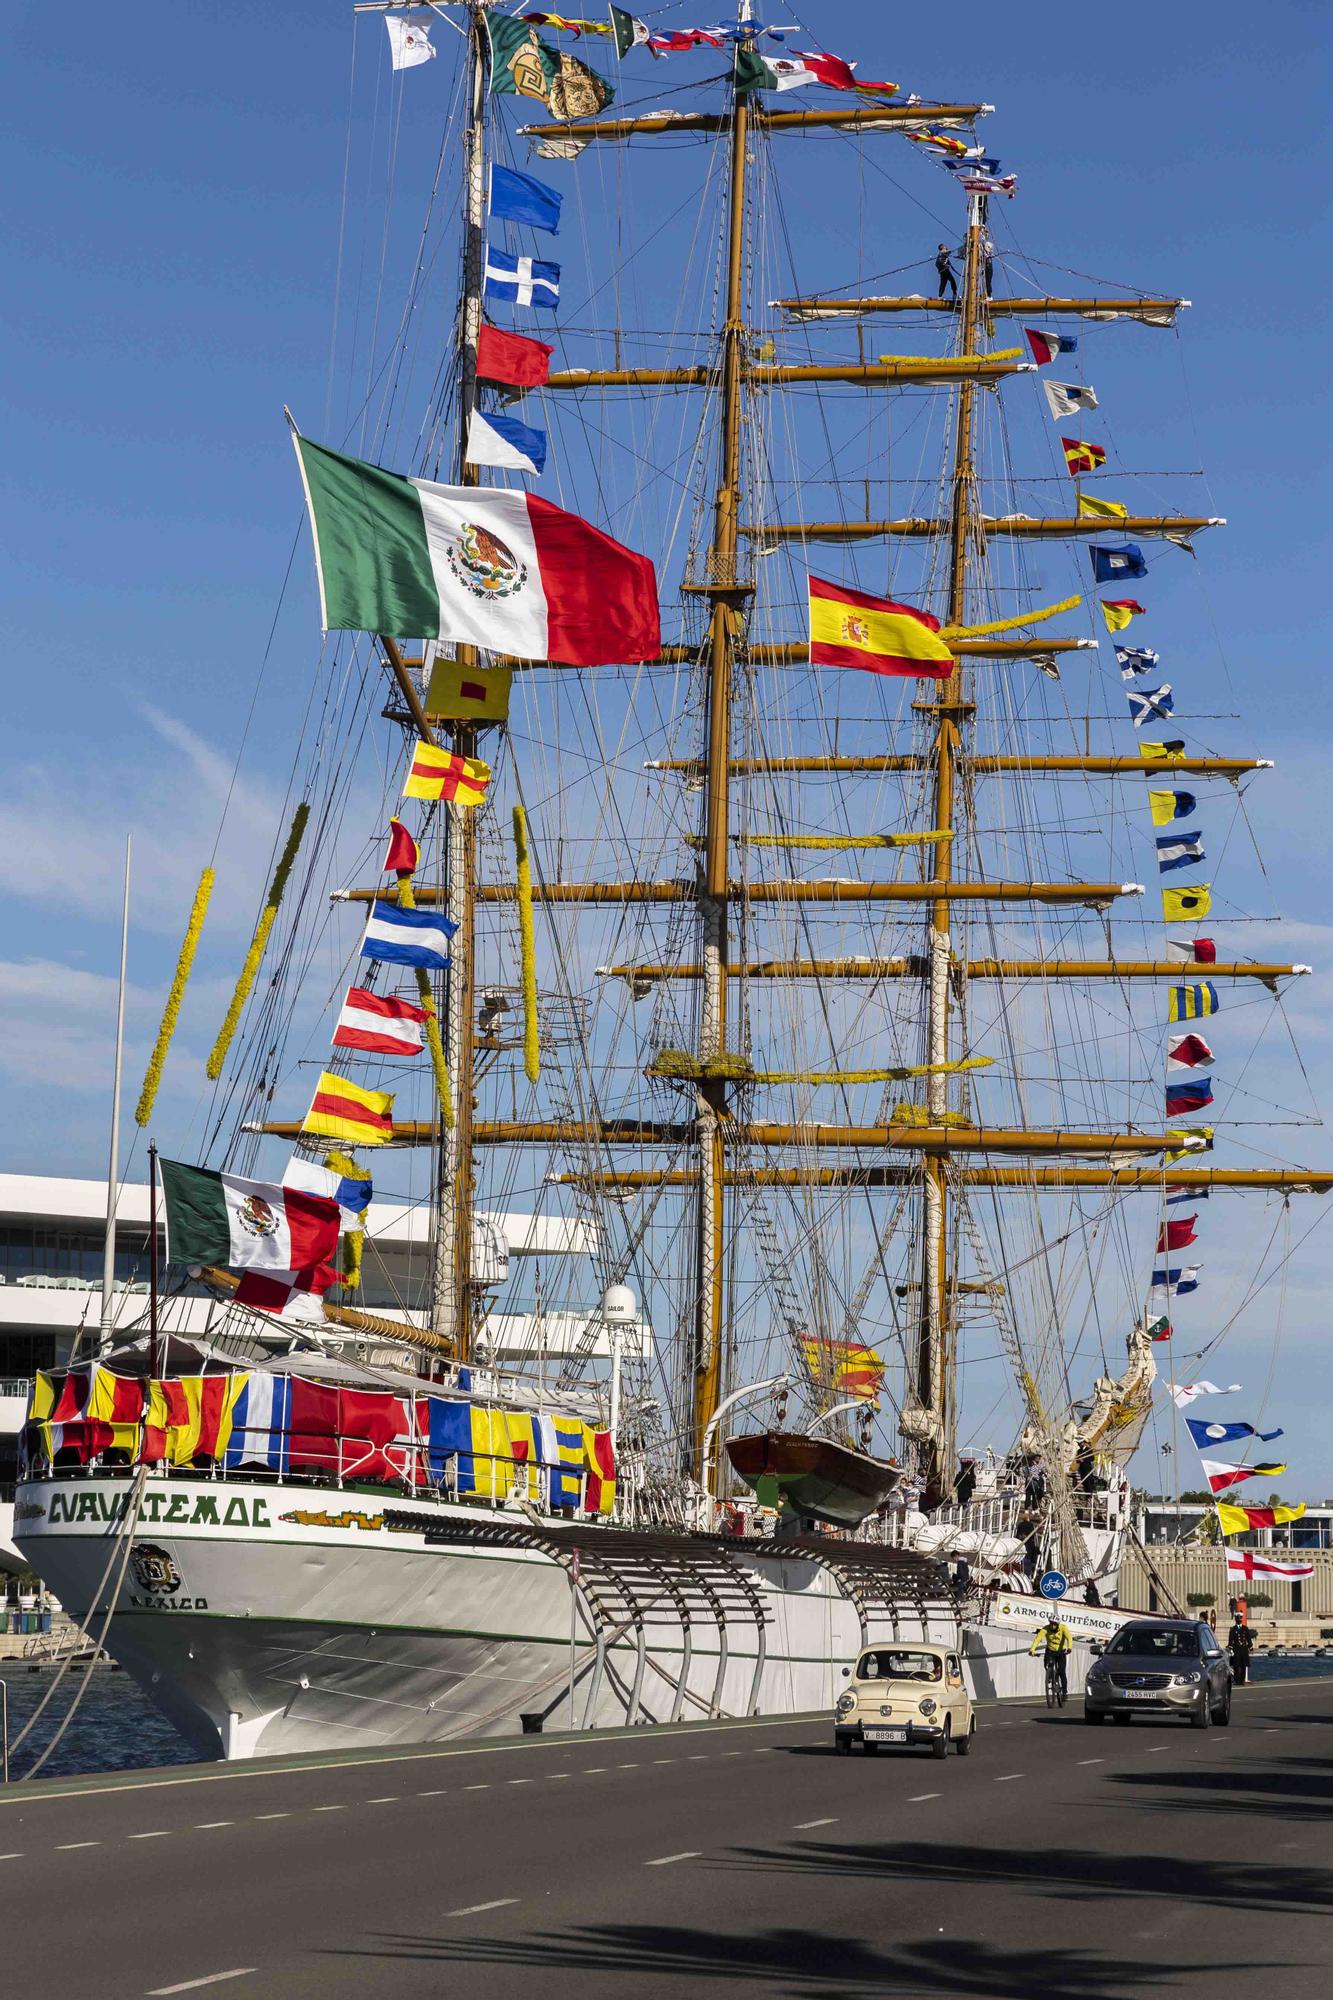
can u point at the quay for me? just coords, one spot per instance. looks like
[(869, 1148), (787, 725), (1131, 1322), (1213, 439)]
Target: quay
[(702, 1859)]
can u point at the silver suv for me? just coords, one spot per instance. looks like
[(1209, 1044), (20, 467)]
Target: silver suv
[(1161, 1666)]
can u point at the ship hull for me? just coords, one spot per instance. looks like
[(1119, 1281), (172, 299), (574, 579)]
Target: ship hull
[(266, 1620)]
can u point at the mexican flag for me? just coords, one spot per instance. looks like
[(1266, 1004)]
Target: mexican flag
[(480, 565), (249, 1225)]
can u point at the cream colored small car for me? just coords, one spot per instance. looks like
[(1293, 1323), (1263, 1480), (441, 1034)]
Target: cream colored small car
[(900, 1695)]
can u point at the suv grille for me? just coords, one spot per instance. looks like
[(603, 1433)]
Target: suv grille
[(1140, 1680)]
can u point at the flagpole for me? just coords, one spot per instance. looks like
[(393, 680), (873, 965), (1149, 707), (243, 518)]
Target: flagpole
[(108, 1320)]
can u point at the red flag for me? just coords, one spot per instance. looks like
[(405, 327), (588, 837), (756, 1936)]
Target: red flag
[(1187, 1052), (403, 854), (512, 358), (1177, 1235), (1205, 951)]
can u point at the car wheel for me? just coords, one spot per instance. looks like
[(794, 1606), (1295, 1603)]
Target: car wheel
[(1123, 1717), (842, 1745), (1096, 1716), (1202, 1718), (870, 1749), (939, 1749), (965, 1740), (1222, 1715)]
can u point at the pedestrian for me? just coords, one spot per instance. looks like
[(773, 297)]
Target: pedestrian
[(1092, 1595), (945, 269), (987, 257), (1240, 1644)]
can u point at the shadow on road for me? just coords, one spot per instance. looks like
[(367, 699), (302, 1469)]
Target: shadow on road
[(1304, 1792), (802, 1964)]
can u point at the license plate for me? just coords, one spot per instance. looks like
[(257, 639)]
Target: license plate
[(1137, 1694), (885, 1735)]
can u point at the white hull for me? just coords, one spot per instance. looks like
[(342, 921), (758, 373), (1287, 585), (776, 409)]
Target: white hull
[(289, 1619)]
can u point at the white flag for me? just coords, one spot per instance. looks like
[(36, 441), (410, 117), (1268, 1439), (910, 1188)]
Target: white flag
[(1064, 398), (1183, 1393), (409, 40)]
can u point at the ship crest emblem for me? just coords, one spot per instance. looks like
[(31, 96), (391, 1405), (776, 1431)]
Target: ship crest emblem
[(484, 565), (153, 1569), (256, 1217), (856, 631)]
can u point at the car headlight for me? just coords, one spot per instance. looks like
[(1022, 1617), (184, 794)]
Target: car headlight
[(1100, 1675), (1187, 1680), (846, 1703), (928, 1705)]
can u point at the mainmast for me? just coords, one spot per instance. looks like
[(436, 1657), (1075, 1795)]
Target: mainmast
[(451, 1290), (930, 1420), (726, 594)]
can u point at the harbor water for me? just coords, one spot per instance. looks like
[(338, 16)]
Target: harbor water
[(116, 1727)]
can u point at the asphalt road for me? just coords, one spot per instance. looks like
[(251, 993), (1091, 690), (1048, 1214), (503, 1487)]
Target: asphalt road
[(1101, 1864)]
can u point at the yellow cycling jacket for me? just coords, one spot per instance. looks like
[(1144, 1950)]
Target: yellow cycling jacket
[(1053, 1642)]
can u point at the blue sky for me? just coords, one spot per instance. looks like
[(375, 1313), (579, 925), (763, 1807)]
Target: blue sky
[(173, 265)]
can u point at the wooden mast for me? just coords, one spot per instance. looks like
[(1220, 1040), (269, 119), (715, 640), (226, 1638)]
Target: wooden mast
[(451, 1292), (721, 585), (930, 1419)]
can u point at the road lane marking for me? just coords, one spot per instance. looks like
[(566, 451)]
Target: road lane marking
[(698, 1757), (804, 1825), (225, 1822), (921, 1798), (281, 1815), (1092, 1760), (207, 1825), (553, 1775), (664, 1760), (209, 1979), (68, 1846), (475, 1909), (440, 1794), (592, 1770), (665, 1860), (159, 1833), (11, 1857), (1009, 1777), (476, 1788), (520, 1781), (1158, 1749), (627, 1767), (392, 1798)]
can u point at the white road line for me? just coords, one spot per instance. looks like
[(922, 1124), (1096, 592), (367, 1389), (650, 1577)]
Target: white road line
[(209, 1979), (1009, 1777), (11, 1857), (1159, 1749), (804, 1825), (520, 1781), (440, 1794), (664, 1760), (225, 1822), (281, 1815), (1092, 1760), (476, 1788), (159, 1833), (921, 1798), (627, 1767), (665, 1860), (553, 1775), (392, 1799), (733, 1753), (207, 1825), (698, 1757), (68, 1846), (475, 1909), (593, 1770)]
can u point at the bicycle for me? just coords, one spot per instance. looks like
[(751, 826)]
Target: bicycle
[(1057, 1688)]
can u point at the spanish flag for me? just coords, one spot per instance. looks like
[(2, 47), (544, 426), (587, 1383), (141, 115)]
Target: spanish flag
[(1239, 1520), (468, 694), (1117, 611), (1080, 456), (439, 774), (342, 1110), (844, 1366), (849, 628)]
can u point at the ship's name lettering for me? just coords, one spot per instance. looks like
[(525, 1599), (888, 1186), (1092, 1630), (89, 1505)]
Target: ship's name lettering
[(169, 1603), (164, 1510)]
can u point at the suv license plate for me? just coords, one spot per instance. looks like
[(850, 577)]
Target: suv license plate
[(1138, 1694), (885, 1735)]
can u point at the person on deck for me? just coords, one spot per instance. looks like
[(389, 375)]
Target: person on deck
[(1240, 1644), (945, 268), (987, 258)]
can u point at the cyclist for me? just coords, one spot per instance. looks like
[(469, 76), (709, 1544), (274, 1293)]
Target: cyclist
[(1057, 1642)]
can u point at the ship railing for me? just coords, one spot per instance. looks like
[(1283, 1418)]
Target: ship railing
[(994, 1516)]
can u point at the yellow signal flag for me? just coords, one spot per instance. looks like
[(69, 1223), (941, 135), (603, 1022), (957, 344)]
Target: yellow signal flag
[(1239, 1520), (1166, 807), (1163, 753), (1117, 611), (1188, 1140), (342, 1110), (1090, 508), (439, 774), (1183, 905), (468, 694)]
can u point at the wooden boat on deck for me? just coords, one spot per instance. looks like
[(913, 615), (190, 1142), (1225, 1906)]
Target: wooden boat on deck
[(815, 1477)]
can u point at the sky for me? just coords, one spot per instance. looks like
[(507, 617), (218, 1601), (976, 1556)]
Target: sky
[(196, 237)]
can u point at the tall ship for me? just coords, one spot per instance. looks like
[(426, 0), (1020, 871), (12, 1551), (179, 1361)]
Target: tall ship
[(746, 900)]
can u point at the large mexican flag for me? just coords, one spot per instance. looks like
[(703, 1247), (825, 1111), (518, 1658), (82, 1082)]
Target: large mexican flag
[(215, 1218)]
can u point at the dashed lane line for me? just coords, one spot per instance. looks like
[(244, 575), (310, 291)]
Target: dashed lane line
[(391, 1799), (341, 1808), (207, 1825), (921, 1798), (594, 1770), (520, 1781), (553, 1775), (158, 1833), (440, 1793), (68, 1846), (665, 1860), (804, 1825), (475, 1909), (1009, 1777), (208, 1979), (1092, 1760), (281, 1815), (11, 1857)]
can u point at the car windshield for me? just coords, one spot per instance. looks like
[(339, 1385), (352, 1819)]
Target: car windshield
[(895, 1665), (1156, 1642)]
